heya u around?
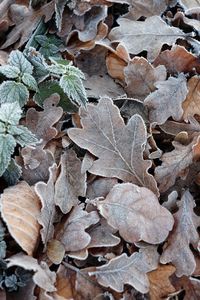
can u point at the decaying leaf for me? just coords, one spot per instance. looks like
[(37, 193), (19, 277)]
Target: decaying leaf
[(167, 100), (128, 270), (20, 208), (128, 205), (184, 233), (147, 35), (192, 101), (118, 147)]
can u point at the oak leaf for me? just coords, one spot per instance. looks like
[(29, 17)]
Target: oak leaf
[(149, 35), (20, 208), (184, 233), (119, 147), (167, 100), (192, 101), (136, 213)]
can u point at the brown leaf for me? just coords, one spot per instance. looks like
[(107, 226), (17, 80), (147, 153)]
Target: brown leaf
[(190, 285), (128, 270), (140, 77), (160, 285), (55, 251), (192, 101), (41, 123), (119, 147), (136, 213), (175, 164), (177, 60), (184, 233), (100, 187), (167, 100), (20, 208), (72, 232), (144, 35), (43, 277), (71, 182)]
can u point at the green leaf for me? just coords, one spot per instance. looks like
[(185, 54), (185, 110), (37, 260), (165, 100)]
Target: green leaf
[(73, 87), (30, 81), (7, 147), (60, 61), (59, 8), (22, 135), (57, 69), (17, 59), (12, 173), (10, 113), (11, 91), (2, 249), (76, 72), (47, 88), (10, 71)]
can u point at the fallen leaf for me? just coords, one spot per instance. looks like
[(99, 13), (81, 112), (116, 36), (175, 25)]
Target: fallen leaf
[(127, 270), (192, 101), (20, 208), (119, 147), (184, 233), (190, 285), (136, 213), (167, 100), (100, 187), (144, 35), (55, 251), (141, 76)]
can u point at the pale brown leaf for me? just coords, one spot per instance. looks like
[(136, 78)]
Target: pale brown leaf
[(55, 251), (141, 76), (184, 233), (191, 105), (128, 270), (149, 35), (167, 100), (43, 277), (136, 213), (71, 182), (100, 187), (119, 147), (20, 208)]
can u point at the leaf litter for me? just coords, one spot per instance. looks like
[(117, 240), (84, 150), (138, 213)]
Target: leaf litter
[(99, 149)]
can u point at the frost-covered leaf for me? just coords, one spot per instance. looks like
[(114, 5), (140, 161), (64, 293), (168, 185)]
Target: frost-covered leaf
[(7, 146), (10, 113), (119, 147), (135, 211), (11, 91), (130, 270), (10, 71), (20, 208), (12, 173), (191, 103), (59, 8), (149, 35), (184, 233), (17, 59), (30, 81), (23, 136), (167, 100)]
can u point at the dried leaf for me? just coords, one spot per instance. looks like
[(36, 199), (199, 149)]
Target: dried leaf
[(192, 101), (167, 100), (43, 277), (136, 213), (128, 270), (141, 76), (147, 35), (118, 147), (20, 208), (100, 187), (184, 233), (55, 251)]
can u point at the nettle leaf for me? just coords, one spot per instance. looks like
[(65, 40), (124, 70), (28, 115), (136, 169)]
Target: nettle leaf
[(17, 59), (10, 113), (10, 71), (12, 173), (30, 81), (59, 8), (23, 136), (7, 146), (73, 87), (11, 91)]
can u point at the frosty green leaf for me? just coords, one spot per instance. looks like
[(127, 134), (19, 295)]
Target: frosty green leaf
[(10, 113), (30, 81), (7, 146), (17, 59), (11, 91), (12, 173), (10, 71), (23, 136)]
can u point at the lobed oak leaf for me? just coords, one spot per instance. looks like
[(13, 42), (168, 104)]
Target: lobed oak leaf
[(191, 103), (175, 164), (20, 208), (128, 270), (136, 213), (149, 35), (100, 187), (119, 147), (190, 285), (184, 233), (141, 76), (43, 277), (167, 100)]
